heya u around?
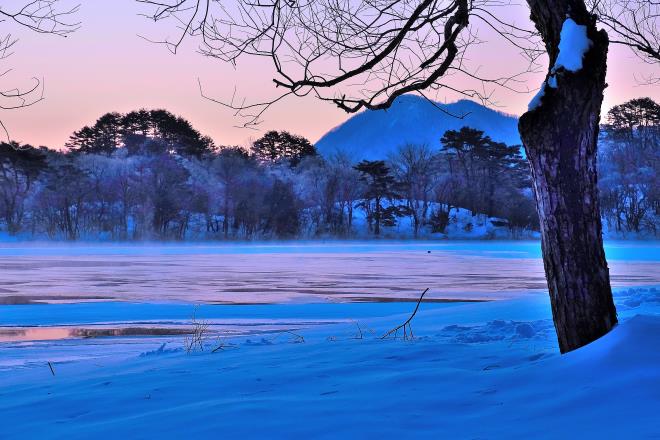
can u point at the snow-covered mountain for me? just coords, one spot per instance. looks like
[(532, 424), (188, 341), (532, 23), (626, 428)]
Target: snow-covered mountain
[(412, 119)]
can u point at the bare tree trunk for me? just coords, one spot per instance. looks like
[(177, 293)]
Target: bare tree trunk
[(560, 138), (377, 217), (225, 220), (350, 216)]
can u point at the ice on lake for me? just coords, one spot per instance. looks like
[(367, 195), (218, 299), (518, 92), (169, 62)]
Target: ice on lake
[(282, 273), (301, 355), (152, 291)]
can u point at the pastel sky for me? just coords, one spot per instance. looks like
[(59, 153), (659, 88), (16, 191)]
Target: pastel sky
[(105, 67)]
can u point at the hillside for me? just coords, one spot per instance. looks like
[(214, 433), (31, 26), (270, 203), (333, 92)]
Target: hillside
[(413, 119)]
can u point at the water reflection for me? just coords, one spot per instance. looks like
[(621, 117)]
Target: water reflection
[(14, 334), (214, 328)]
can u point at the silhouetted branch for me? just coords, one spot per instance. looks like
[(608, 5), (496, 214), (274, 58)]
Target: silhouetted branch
[(195, 339), (356, 54), (40, 16), (632, 23), (406, 327)]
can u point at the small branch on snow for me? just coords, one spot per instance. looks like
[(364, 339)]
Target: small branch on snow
[(358, 335), (406, 327), (298, 338), (195, 340)]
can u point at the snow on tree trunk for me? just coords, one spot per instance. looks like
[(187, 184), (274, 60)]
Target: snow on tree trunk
[(560, 133)]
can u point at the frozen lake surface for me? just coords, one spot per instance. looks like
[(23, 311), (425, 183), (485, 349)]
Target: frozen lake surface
[(92, 341), (283, 273), (133, 292)]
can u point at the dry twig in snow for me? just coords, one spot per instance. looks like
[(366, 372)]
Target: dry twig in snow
[(407, 329)]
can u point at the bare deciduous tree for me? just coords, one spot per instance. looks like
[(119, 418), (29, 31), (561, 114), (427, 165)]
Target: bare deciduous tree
[(355, 54), (362, 54), (415, 170)]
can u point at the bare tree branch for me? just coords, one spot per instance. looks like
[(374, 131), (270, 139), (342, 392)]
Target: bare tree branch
[(632, 23), (406, 327), (356, 54), (40, 16)]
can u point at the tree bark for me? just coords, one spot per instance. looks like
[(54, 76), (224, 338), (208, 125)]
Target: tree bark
[(377, 217), (560, 138)]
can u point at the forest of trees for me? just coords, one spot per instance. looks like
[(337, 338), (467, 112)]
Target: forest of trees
[(149, 175), (630, 166)]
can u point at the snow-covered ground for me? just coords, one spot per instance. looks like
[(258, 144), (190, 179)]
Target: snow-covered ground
[(318, 369), (462, 225)]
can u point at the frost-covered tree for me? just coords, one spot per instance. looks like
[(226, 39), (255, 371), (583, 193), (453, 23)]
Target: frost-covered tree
[(169, 195), (316, 184), (415, 170), (282, 214), (350, 187), (229, 166), (62, 201), (629, 166), (20, 166)]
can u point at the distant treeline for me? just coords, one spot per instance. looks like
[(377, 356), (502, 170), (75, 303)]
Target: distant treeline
[(629, 166), (150, 175)]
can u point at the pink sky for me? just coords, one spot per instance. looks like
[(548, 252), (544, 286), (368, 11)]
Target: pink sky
[(106, 67)]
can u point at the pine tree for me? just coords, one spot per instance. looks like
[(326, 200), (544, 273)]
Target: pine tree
[(379, 185), (275, 146)]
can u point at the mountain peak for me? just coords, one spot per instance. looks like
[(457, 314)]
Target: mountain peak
[(374, 134)]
